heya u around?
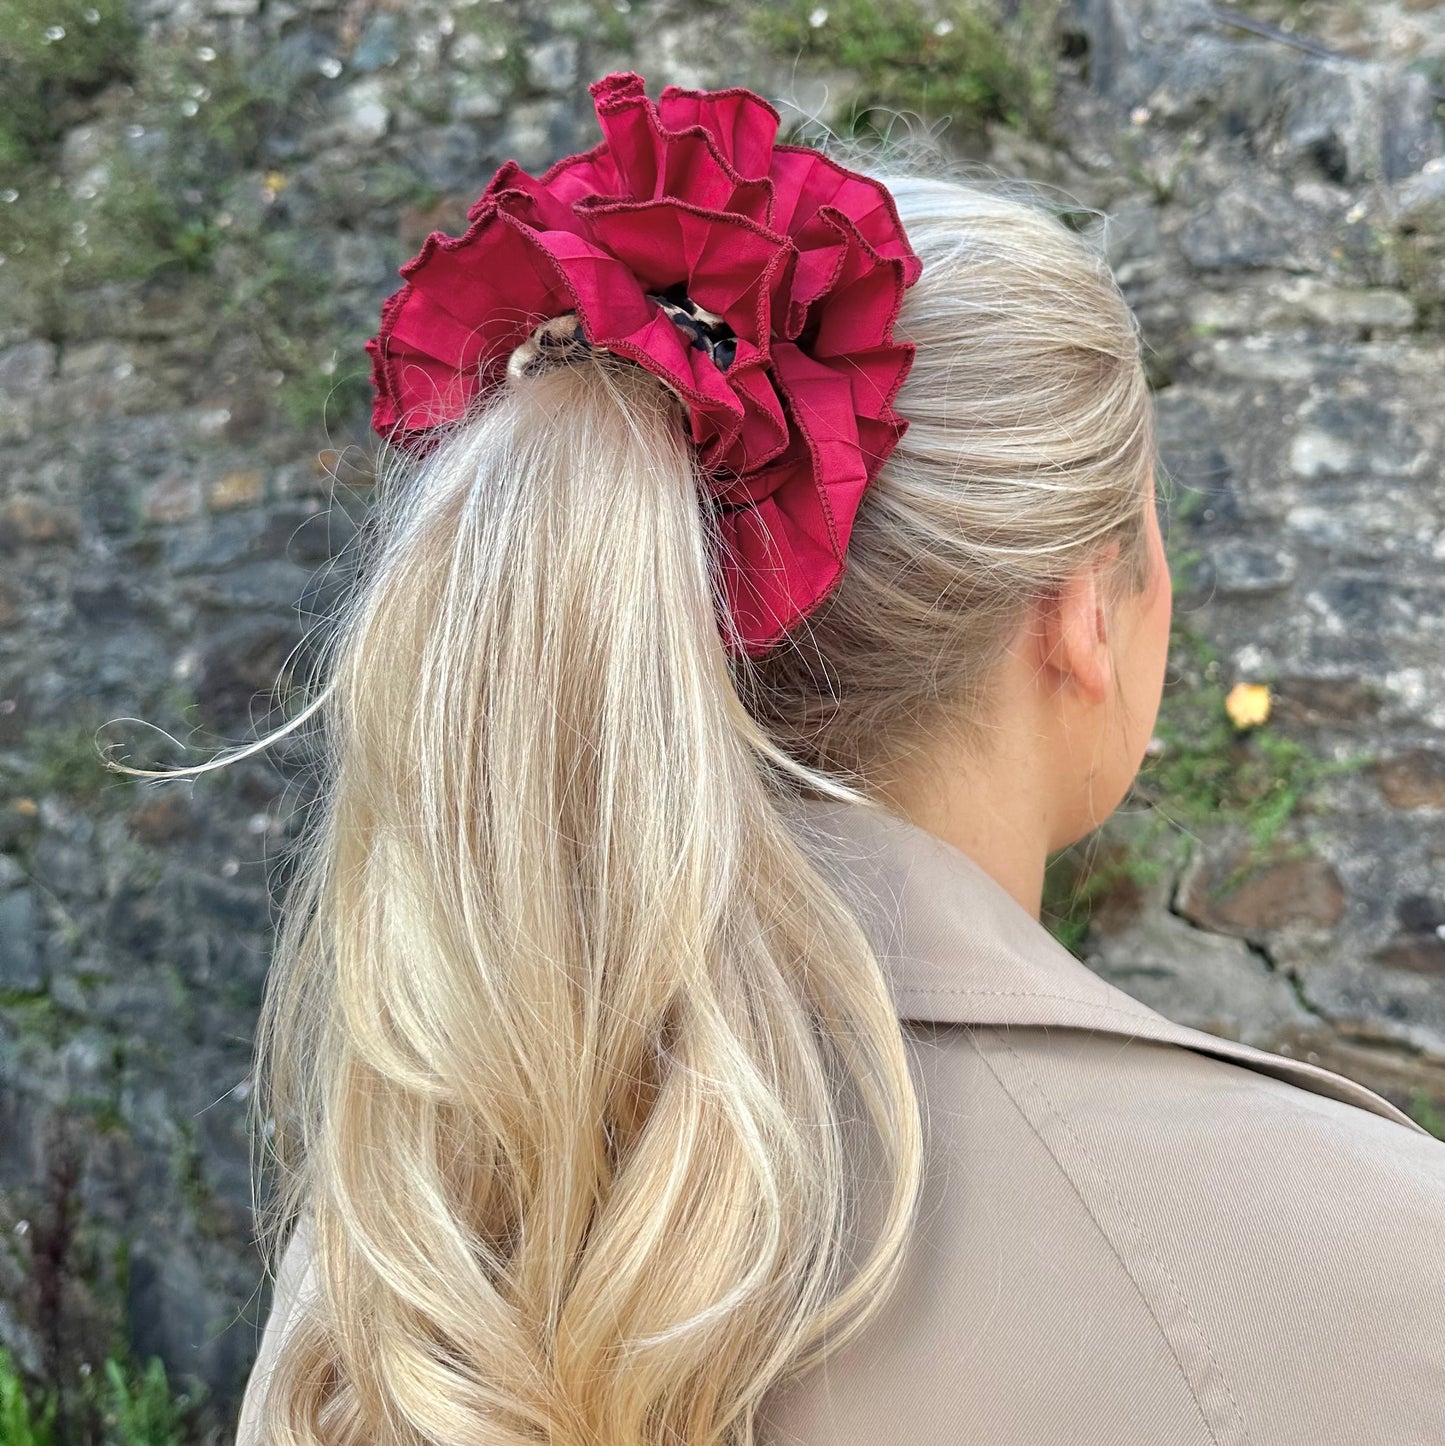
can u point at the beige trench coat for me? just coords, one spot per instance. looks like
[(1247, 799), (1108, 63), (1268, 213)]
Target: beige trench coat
[(1132, 1233)]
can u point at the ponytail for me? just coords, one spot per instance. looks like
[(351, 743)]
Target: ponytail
[(567, 1041)]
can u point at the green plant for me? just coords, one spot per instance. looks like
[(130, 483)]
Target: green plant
[(20, 1423), (503, 39), (1130, 851), (1208, 774), (139, 1409), (951, 58), (102, 1111), (195, 118), (316, 399), (65, 244), (65, 759), (1210, 771), (190, 1177), (214, 109), (1160, 181), (1425, 1112), (278, 278), (385, 183), (38, 1017), (52, 54)]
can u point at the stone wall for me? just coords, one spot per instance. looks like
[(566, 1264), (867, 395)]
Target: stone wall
[(198, 228)]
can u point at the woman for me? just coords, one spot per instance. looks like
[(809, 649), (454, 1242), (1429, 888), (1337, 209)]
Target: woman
[(663, 1043)]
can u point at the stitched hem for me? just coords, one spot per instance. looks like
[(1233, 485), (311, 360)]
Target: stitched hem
[(1219, 1408)]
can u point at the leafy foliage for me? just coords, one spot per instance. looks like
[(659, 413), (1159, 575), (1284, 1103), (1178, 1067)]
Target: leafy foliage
[(52, 53), (135, 1406), (21, 1424), (956, 59), (1208, 773), (138, 1408)]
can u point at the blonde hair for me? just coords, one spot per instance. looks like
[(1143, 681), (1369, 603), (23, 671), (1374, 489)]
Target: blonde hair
[(567, 1038)]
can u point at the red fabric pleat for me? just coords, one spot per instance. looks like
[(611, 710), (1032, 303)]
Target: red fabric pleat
[(805, 261)]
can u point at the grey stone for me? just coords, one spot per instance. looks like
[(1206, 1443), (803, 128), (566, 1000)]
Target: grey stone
[(366, 115), (172, 1309), (1190, 440), (305, 535), (1242, 567), (380, 43), (1207, 981), (1301, 302), (445, 157), (237, 661), (474, 99), (1359, 122), (532, 131), (1252, 225), (1345, 435), (1132, 42), (362, 260), (129, 1005), (1131, 233), (1419, 201), (23, 373), (297, 56), (20, 1341), (1409, 1003), (271, 584), (213, 542), (20, 968), (86, 1060), (554, 62)]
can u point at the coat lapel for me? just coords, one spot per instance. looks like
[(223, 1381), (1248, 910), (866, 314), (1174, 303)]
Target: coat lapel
[(958, 948)]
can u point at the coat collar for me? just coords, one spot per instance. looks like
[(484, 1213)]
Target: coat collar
[(958, 948)]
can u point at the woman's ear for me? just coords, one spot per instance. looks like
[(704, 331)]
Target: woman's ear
[(1074, 633)]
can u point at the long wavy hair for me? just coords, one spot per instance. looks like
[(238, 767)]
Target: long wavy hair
[(568, 1041)]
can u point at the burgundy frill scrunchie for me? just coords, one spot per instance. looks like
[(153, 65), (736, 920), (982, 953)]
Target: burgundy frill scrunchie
[(761, 282)]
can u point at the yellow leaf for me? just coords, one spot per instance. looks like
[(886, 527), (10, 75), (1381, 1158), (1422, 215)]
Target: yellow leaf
[(26, 807), (275, 181), (1247, 704)]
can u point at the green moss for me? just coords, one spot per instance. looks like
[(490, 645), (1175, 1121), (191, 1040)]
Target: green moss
[(65, 245), (282, 297), (103, 1113), (1419, 258), (598, 22), (66, 760), (385, 184), (53, 53), (505, 42), (120, 1264), (1212, 772), (163, 205), (190, 1178), (1160, 176), (1209, 776), (215, 113), (319, 397), (188, 127), (952, 58), (38, 1017), (1425, 1112)]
